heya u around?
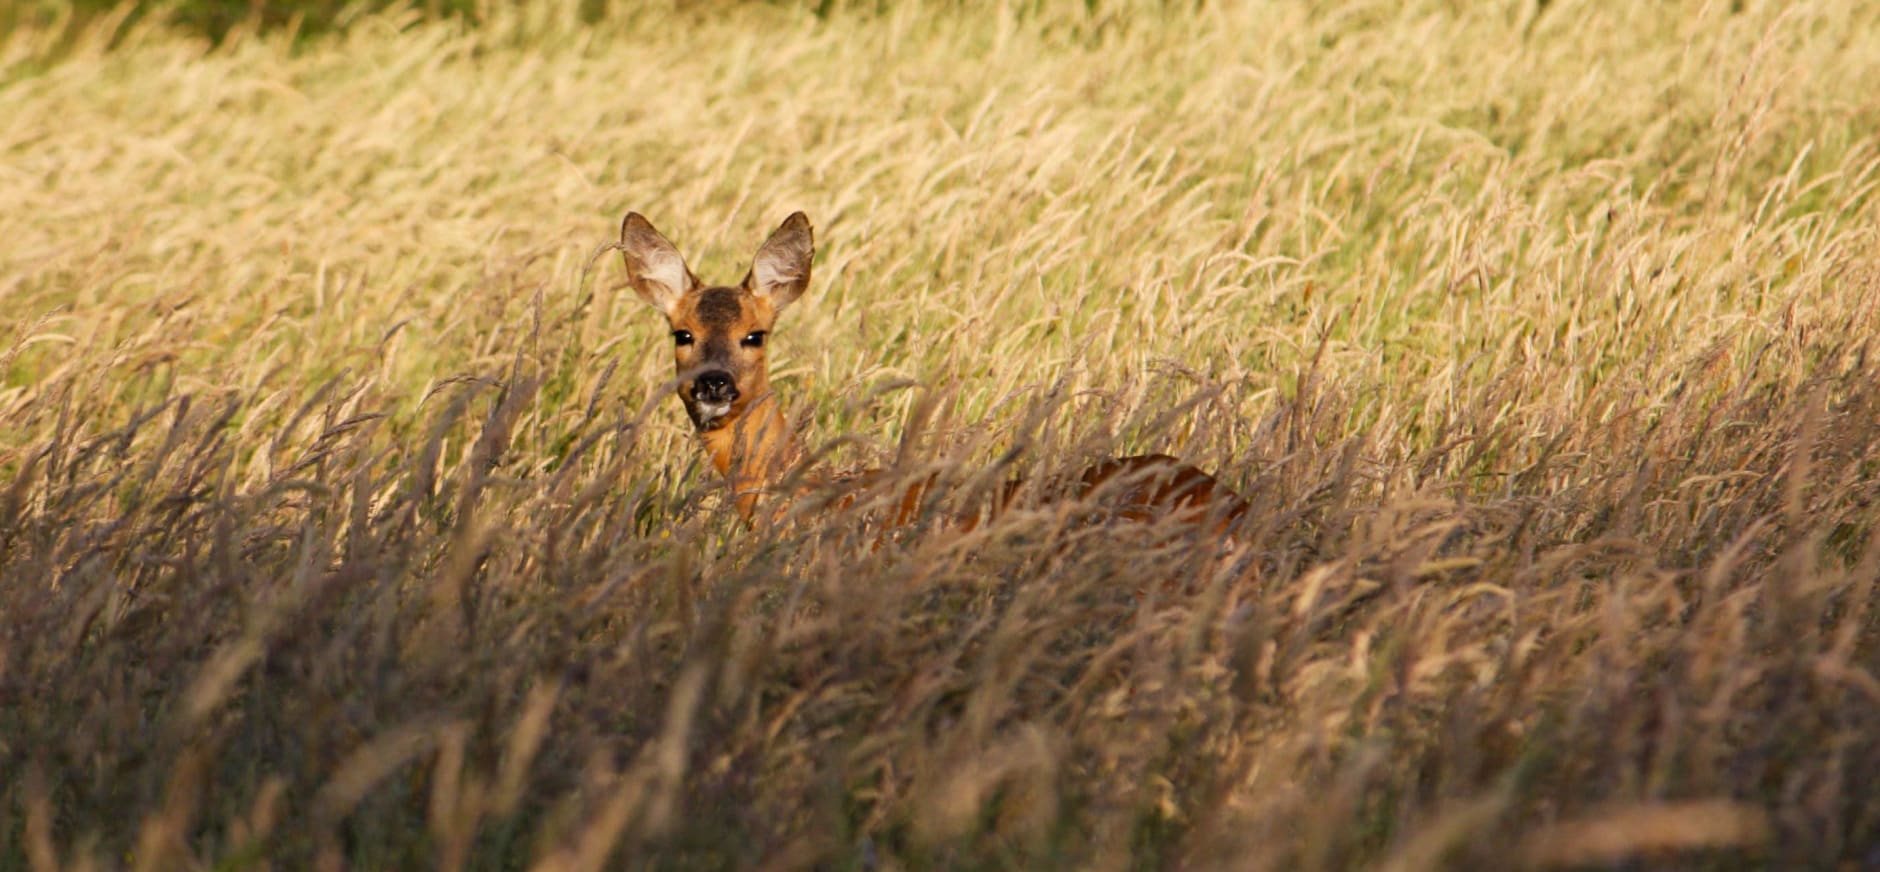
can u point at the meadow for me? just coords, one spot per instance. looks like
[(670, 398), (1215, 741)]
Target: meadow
[(347, 519)]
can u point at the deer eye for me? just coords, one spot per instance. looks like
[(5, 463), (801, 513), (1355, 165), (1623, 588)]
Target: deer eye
[(682, 337), (753, 340)]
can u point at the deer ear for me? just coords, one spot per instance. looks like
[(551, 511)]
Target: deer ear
[(780, 271), (654, 268)]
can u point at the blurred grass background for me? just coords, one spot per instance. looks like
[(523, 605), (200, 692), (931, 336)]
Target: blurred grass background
[(214, 19)]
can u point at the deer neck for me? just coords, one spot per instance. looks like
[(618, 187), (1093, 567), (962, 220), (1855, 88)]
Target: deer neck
[(752, 451)]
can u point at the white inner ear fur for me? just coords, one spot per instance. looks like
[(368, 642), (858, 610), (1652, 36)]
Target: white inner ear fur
[(665, 276), (771, 269)]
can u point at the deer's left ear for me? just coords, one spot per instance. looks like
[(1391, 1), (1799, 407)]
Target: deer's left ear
[(780, 271)]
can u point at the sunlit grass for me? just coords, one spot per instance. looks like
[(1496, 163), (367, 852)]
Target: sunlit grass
[(344, 517)]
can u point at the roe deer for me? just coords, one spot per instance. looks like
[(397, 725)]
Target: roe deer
[(719, 333)]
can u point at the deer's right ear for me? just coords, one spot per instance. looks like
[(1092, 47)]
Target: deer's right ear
[(654, 268)]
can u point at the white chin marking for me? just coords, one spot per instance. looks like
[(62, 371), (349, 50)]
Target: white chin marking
[(709, 413)]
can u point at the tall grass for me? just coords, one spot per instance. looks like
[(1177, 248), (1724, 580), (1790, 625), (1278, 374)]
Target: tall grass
[(345, 519)]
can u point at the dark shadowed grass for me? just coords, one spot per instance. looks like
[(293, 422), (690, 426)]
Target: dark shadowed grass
[(406, 651)]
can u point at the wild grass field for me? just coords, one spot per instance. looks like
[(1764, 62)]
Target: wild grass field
[(347, 520)]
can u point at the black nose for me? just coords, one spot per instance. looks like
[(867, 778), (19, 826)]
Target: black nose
[(715, 386)]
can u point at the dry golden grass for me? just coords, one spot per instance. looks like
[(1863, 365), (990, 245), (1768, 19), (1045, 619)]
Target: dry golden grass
[(344, 518)]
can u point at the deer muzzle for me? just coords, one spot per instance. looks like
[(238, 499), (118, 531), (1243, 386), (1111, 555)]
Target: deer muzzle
[(713, 392)]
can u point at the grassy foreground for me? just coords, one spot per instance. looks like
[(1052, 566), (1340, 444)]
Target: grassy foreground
[(345, 519)]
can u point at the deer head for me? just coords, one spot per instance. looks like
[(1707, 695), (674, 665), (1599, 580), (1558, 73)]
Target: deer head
[(718, 332), (718, 338)]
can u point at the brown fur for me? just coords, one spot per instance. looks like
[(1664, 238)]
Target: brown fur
[(751, 444)]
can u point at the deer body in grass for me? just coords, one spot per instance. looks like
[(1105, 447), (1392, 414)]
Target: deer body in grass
[(719, 337)]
